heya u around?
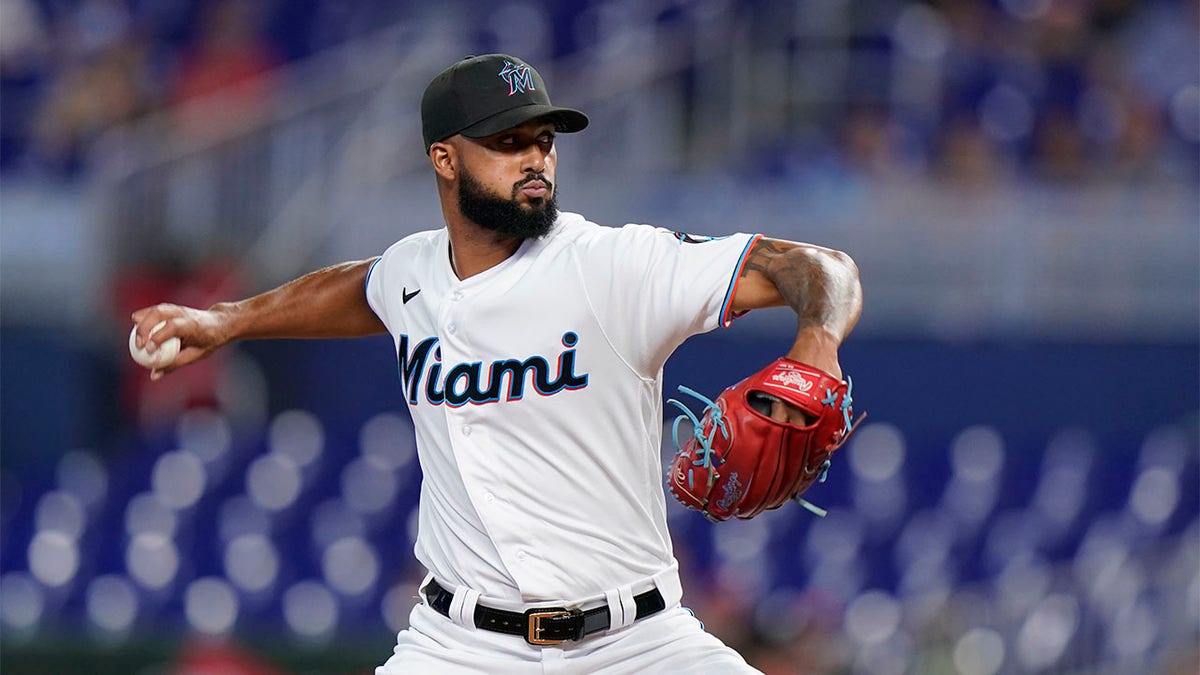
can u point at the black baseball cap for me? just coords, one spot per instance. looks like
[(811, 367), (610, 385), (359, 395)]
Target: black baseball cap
[(483, 95)]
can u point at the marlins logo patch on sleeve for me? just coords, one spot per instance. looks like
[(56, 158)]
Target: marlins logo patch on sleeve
[(686, 238)]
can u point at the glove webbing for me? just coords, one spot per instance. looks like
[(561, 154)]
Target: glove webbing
[(713, 412)]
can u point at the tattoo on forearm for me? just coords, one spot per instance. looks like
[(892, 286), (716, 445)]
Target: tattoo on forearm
[(760, 256), (812, 285)]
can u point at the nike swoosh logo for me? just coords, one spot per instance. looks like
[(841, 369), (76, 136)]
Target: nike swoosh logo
[(408, 296)]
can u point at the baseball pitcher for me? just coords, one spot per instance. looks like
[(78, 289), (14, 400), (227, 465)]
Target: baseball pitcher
[(530, 346)]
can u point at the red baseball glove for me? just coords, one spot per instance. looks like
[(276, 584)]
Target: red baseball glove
[(740, 461)]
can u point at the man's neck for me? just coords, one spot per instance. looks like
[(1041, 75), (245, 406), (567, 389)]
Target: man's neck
[(474, 249)]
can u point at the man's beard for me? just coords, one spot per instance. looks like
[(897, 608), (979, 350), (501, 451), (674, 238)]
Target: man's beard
[(507, 216)]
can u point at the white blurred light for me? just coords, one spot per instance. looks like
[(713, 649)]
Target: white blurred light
[(396, 605), (1021, 585), (1062, 486), (112, 603), (1185, 112), (980, 651), (970, 502), (23, 602), (922, 33), (1133, 630), (843, 580), (367, 486), (1154, 496), (1006, 114), (1118, 581), (298, 435), (872, 617), (836, 537), (929, 534), (1060, 494), (251, 562), (146, 514), (61, 512), (1045, 634), (273, 482), (1103, 546), (350, 566), (53, 558), (977, 453), (877, 452), (178, 479), (388, 438), (1071, 447), (152, 560), (1165, 447), (1013, 533), (333, 520), (927, 576), (81, 474), (205, 432), (210, 605), (240, 515), (743, 540), (883, 503), (890, 657), (310, 610)]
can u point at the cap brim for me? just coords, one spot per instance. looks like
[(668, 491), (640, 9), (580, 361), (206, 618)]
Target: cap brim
[(566, 120)]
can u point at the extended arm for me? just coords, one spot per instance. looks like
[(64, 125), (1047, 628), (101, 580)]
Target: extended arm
[(821, 285), (328, 303)]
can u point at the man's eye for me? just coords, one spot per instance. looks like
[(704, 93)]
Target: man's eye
[(508, 140)]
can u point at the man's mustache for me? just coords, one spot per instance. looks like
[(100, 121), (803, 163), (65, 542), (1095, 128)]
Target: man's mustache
[(531, 178)]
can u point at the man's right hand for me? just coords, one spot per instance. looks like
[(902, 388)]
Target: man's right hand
[(200, 332)]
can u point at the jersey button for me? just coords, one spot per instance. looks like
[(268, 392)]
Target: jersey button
[(466, 430), (489, 497), (456, 295), (451, 328), (522, 555)]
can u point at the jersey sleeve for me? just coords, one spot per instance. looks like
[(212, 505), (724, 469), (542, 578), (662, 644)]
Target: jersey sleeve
[(376, 289), (653, 288)]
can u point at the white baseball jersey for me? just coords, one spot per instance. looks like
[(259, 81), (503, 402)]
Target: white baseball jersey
[(535, 390)]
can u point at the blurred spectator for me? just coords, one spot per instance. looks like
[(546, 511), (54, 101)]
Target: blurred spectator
[(1059, 153), (86, 98), (965, 155), (1055, 87), (230, 57), (23, 51)]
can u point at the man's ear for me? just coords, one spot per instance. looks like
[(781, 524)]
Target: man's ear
[(444, 157)]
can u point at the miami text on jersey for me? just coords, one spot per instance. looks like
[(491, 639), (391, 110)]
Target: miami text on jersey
[(463, 383)]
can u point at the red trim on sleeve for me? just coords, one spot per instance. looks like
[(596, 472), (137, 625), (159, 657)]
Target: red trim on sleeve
[(727, 316)]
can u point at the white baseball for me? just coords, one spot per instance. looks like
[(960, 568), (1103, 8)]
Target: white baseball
[(162, 358)]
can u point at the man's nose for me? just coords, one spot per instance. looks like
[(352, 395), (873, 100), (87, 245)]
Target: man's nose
[(534, 160)]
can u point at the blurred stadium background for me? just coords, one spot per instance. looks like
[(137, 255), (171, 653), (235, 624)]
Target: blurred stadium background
[(1017, 180)]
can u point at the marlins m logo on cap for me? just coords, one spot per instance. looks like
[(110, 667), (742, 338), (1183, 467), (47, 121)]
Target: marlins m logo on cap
[(518, 76), (466, 99)]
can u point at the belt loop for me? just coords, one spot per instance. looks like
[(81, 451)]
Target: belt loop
[(622, 610), (462, 607), (668, 584), (421, 589)]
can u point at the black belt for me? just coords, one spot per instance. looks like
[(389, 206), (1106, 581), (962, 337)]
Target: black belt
[(544, 625)]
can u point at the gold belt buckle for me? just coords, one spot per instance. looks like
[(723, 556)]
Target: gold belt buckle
[(534, 618)]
